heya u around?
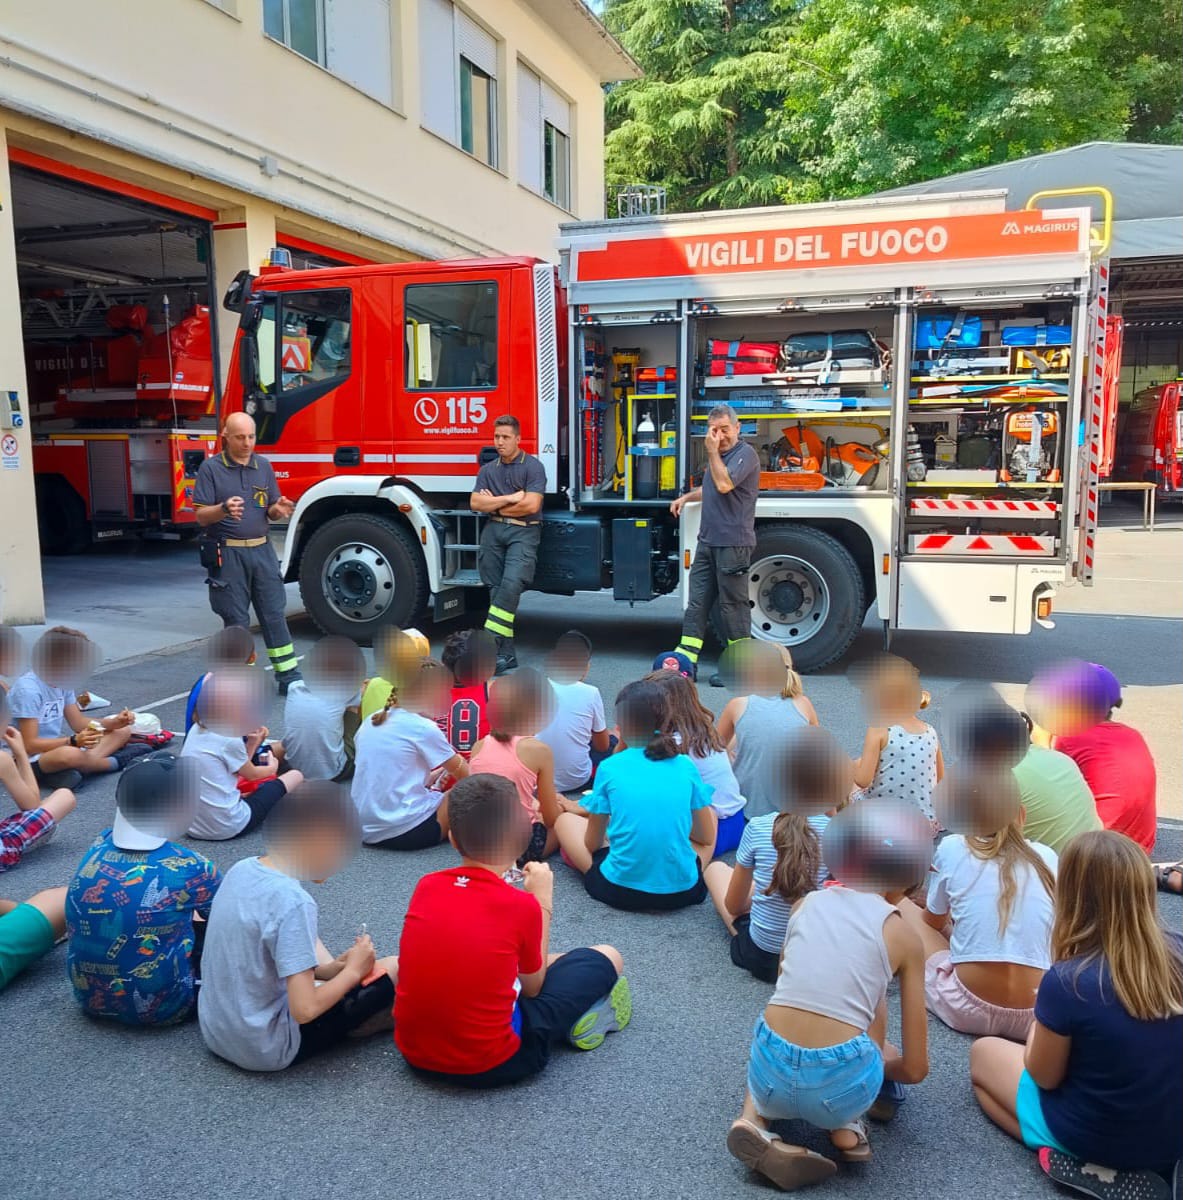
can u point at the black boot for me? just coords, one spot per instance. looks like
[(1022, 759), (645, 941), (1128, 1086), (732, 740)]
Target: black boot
[(507, 660)]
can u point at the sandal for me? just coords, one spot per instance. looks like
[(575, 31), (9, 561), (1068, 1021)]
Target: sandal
[(1163, 872), (1102, 1183), (861, 1151), (789, 1167)]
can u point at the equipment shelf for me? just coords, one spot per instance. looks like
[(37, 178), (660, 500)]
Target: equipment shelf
[(957, 487)]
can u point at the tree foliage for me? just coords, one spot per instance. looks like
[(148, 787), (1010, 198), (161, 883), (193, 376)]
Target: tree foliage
[(756, 101)]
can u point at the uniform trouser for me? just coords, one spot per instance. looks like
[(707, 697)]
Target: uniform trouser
[(250, 575), (506, 562), (718, 573)]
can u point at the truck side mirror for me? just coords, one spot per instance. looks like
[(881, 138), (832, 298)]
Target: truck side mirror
[(238, 293)]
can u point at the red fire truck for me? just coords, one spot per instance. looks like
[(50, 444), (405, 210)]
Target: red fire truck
[(913, 372), (1150, 440)]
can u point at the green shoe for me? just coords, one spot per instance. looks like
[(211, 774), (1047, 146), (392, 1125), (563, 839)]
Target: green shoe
[(610, 1014)]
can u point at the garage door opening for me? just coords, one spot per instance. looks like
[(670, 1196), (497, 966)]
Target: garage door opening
[(121, 358)]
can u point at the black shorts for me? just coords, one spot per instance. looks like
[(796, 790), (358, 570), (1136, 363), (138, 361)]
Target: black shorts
[(355, 1008), (535, 851), (572, 985), (631, 900), (262, 800), (746, 954), (425, 835)]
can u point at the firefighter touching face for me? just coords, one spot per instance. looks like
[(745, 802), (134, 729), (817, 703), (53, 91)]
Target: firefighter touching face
[(725, 536), (509, 491), (235, 495)]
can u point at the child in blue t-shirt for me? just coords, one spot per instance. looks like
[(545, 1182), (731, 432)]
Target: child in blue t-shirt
[(1097, 1089), (654, 809), (779, 858)]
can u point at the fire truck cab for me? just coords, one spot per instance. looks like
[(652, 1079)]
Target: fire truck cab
[(1150, 440), (911, 372)]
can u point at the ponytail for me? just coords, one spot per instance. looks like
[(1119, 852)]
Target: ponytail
[(793, 685), (379, 717), (798, 857), (1010, 848), (661, 746)]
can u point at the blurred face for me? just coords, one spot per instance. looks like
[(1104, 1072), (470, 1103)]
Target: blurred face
[(239, 437), (316, 853), (506, 441), (726, 430), (433, 696)]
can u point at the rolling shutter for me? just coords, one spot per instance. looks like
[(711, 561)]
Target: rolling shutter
[(476, 44), (357, 45), (529, 128), (437, 59)]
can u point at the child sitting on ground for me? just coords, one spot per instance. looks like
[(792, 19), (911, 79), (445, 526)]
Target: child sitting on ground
[(230, 649), (779, 858), (577, 734), (44, 706), (397, 654), (651, 804), (137, 904), (754, 724), (231, 705), (29, 930), (901, 759), (471, 656), (516, 711), (480, 1000), (271, 994), (35, 820), (1099, 1077), (692, 725), (1113, 758), (320, 715), (820, 1053), (402, 758), (996, 890)]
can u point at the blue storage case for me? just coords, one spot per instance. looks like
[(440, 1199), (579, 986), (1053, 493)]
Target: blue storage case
[(1037, 335), (933, 333)]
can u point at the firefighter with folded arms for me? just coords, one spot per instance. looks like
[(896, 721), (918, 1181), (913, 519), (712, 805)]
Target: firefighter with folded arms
[(235, 495), (509, 491), (726, 536)]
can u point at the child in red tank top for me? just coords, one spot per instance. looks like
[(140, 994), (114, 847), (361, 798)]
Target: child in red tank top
[(471, 656)]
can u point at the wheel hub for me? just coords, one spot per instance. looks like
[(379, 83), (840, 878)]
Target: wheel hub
[(789, 598), (358, 582)]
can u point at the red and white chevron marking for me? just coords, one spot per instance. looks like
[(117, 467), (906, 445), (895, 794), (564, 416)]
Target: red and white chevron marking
[(1002, 508), (981, 543), (1094, 428)]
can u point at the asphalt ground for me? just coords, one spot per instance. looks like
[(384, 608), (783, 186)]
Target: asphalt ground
[(102, 1111)]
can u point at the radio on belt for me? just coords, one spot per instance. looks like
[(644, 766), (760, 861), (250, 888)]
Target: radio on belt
[(11, 416)]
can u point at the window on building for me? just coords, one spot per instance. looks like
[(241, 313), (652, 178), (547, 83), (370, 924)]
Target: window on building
[(544, 138), (451, 335), (458, 64), (349, 38)]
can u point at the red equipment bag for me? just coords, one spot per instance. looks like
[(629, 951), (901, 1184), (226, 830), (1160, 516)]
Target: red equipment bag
[(742, 358), (654, 380)]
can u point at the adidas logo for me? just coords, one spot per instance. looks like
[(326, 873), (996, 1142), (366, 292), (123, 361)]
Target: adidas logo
[(461, 881)]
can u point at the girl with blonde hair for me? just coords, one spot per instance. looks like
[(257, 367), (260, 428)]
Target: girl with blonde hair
[(986, 924), (1099, 1079), (755, 724), (402, 757)]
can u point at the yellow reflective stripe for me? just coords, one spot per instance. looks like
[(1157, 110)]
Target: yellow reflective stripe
[(495, 626), (494, 611), (286, 665), (691, 641), (287, 651), (689, 652)]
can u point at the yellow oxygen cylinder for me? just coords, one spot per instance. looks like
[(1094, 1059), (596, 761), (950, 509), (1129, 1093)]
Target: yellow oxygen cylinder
[(669, 465)]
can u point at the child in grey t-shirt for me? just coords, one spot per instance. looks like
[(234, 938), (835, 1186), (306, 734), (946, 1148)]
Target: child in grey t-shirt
[(271, 993)]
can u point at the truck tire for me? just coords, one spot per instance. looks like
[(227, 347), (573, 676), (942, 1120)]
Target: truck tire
[(62, 527), (361, 573), (806, 592)]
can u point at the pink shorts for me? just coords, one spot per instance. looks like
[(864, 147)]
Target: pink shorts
[(949, 999)]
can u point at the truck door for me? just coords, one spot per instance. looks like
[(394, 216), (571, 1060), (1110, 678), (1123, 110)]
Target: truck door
[(458, 364)]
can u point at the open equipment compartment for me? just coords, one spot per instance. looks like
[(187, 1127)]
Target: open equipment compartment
[(992, 417), (811, 381)]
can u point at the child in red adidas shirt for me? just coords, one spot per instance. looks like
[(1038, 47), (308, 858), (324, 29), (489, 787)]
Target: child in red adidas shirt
[(480, 1001)]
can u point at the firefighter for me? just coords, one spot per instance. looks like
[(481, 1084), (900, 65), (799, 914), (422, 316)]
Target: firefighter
[(235, 495), (725, 536), (509, 490)]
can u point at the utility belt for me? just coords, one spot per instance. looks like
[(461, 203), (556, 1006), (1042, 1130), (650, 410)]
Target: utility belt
[(511, 521), (209, 548)]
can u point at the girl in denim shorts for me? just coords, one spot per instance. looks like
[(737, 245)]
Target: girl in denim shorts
[(819, 1052)]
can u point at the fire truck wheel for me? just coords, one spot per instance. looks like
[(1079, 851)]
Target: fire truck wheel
[(61, 517), (360, 573), (806, 592)]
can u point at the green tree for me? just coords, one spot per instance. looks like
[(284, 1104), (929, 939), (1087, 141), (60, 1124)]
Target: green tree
[(888, 92), (1143, 52), (707, 119)]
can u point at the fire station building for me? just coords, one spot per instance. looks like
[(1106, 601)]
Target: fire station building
[(150, 152)]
